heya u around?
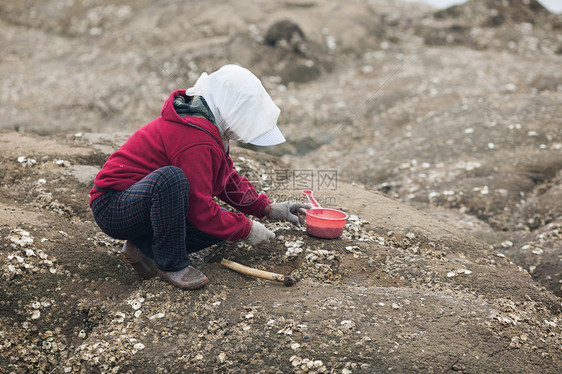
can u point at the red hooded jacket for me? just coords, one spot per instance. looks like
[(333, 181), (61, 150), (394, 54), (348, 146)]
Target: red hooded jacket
[(193, 144)]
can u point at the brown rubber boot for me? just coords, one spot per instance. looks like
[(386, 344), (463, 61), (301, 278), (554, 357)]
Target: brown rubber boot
[(141, 263), (187, 279)]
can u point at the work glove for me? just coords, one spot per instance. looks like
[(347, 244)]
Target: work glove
[(258, 234), (288, 211)]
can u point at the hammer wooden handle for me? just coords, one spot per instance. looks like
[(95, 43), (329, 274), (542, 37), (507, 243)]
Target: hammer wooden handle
[(246, 270)]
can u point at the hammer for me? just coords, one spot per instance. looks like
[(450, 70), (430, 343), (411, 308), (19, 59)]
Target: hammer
[(287, 280)]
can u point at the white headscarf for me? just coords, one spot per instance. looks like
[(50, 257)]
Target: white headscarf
[(243, 109)]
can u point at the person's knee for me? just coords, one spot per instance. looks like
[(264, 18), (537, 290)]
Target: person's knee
[(173, 177)]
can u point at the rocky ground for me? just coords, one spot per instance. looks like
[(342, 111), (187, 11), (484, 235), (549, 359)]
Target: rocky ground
[(438, 132)]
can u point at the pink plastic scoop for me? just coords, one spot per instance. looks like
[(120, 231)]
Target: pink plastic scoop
[(323, 222)]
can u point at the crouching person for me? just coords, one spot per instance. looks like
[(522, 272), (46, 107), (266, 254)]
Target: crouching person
[(156, 192)]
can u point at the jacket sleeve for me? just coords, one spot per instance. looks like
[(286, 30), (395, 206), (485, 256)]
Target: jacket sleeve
[(201, 164), (240, 193)]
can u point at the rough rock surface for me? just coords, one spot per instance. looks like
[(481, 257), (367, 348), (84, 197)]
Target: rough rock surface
[(439, 132)]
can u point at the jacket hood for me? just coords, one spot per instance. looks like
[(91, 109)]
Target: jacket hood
[(169, 113)]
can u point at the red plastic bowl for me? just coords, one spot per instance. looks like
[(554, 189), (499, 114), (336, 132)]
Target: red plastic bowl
[(323, 222)]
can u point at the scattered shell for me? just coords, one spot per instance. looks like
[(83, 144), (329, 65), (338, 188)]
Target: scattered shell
[(295, 361), (62, 163), (356, 220), (286, 331), (25, 162), (458, 271), (21, 237), (35, 314), (157, 315), (294, 248), (136, 303)]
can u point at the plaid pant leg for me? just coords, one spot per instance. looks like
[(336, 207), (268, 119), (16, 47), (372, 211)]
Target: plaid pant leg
[(197, 240), (152, 213)]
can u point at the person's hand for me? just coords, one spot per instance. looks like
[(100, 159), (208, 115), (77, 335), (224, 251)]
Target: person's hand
[(287, 211), (258, 234)]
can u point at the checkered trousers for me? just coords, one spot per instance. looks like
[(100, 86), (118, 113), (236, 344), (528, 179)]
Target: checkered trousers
[(152, 214)]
